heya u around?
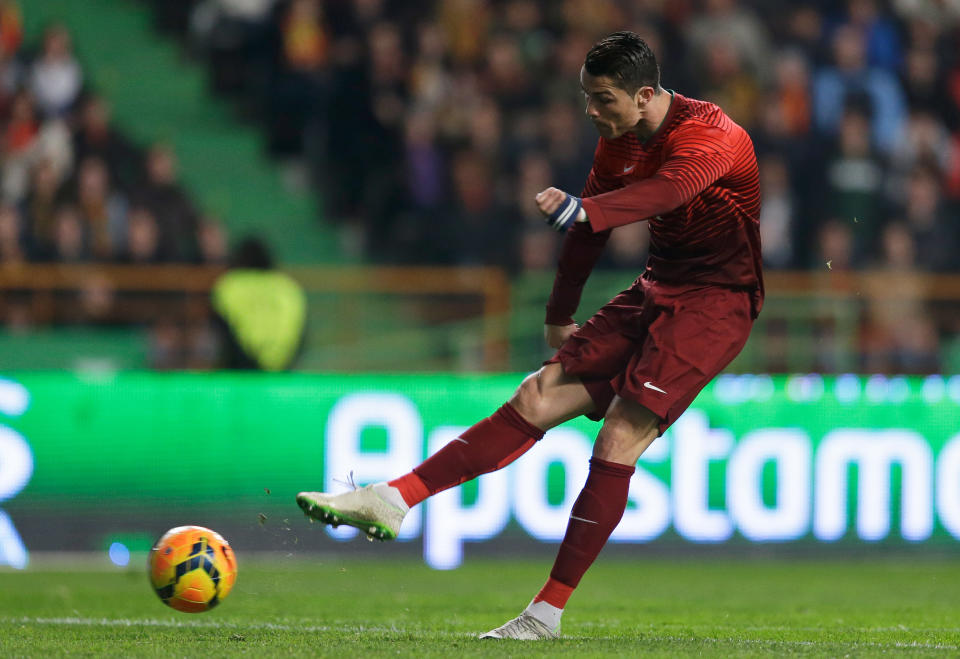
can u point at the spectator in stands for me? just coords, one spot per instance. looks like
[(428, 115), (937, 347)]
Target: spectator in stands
[(538, 250), (730, 22), (11, 75), (56, 78), (27, 140), (12, 245), (854, 182), (851, 80), (523, 21), (881, 37), (568, 147), (11, 65), (900, 337), (592, 17), (425, 164), (95, 136), (727, 84), (212, 242), (835, 247), (260, 312), (945, 13), (925, 140), (142, 238), (301, 80), (19, 135), (71, 244), (804, 32), (233, 34), (163, 195), (931, 223), (166, 348), (791, 95), (506, 77), (11, 27), (478, 228), (201, 345), (778, 232), (102, 209), (466, 25), (431, 81), (96, 298), (39, 208), (925, 86)]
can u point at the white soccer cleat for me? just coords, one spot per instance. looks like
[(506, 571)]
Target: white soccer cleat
[(377, 510), (523, 628)]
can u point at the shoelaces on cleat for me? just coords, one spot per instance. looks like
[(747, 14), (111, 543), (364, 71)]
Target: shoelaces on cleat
[(350, 483)]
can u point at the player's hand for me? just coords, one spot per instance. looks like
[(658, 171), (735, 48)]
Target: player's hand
[(560, 209), (556, 335)]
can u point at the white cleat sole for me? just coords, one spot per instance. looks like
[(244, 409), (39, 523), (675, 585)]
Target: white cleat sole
[(362, 509)]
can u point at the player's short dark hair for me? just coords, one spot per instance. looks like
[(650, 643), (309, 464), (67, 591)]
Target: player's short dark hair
[(625, 58)]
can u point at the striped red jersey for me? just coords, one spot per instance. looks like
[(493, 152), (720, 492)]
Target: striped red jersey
[(695, 181)]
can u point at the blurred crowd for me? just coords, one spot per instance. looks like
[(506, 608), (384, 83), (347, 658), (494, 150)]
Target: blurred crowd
[(428, 127), (72, 188)]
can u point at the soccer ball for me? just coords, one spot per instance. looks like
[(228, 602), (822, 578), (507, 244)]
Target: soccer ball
[(192, 568)]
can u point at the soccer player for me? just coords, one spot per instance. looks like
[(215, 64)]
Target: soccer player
[(689, 171)]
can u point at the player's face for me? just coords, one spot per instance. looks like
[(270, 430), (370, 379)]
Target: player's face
[(611, 109)]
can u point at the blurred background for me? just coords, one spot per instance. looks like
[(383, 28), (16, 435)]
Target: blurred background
[(387, 155), (369, 167)]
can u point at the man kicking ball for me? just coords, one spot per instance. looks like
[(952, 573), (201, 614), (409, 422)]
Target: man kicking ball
[(687, 169)]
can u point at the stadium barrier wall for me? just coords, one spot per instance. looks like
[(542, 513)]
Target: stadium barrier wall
[(89, 462)]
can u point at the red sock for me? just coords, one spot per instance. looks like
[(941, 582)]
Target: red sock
[(486, 446), (595, 515), (554, 593)]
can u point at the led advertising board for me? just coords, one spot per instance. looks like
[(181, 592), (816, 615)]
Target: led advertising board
[(792, 460)]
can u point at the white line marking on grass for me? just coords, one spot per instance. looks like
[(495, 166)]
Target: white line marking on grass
[(642, 636), (647, 636), (762, 641), (154, 622), (272, 626), (835, 628)]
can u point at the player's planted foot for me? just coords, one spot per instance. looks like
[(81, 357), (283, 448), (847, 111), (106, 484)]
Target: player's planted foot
[(524, 627), (377, 510)]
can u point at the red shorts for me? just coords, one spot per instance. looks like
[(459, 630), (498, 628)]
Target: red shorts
[(658, 344)]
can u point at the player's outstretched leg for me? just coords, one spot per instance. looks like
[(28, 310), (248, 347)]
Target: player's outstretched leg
[(379, 509), (546, 398)]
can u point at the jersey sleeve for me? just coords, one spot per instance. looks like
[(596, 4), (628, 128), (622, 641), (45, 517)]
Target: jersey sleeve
[(581, 249), (698, 155)]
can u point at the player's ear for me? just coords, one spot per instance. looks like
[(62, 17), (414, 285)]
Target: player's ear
[(644, 95)]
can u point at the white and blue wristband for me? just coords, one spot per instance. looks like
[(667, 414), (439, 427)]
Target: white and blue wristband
[(570, 211)]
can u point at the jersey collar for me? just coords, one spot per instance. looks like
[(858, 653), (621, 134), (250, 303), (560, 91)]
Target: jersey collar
[(671, 109)]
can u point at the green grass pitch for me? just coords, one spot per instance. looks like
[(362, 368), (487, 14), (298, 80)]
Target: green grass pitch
[(341, 608)]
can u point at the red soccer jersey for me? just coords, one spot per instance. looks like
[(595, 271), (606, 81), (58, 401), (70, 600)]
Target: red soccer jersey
[(695, 180)]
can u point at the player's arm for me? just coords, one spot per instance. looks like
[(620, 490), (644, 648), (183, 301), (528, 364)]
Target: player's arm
[(581, 249), (699, 156)]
